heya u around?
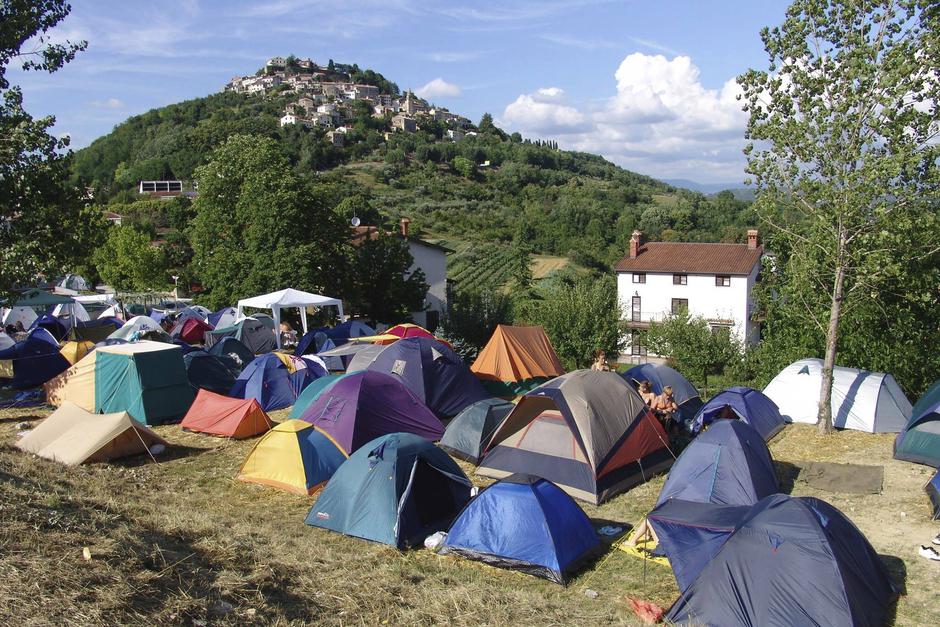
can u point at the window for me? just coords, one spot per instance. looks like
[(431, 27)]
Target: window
[(635, 309), (637, 346), (639, 277), (718, 329), (680, 279), (680, 305), (722, 280)]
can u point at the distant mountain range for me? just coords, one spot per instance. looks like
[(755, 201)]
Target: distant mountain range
[(740, 191)]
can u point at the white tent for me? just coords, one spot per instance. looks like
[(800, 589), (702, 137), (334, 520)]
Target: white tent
[(287, 299), (865, 401), (71, 309), (137, 324), (5, 341), (26, 315)]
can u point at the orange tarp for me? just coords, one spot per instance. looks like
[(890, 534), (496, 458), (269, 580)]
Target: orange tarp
[(229, 417), (517, 354)]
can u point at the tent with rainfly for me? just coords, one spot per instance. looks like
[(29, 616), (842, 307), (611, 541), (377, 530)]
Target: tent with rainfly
[(469, 433), (861, 400), (72, 436), (789, 561), (311, 393), (191, 329), (276, 379), (338, 335), (397, 489), (34, 360), (135, 327), (234, 350), (256, 333), (236, 418), (588, 432), (225, 317), (515, 360), (525, 523), (745, 404), (95, 330), (919, 441), (205, 371), (145, 379), (660, 376), (74, 351), (293, 456)]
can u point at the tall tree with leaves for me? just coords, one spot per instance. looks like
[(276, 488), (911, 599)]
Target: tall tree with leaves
[(381, 286), (44, 227), (842, 148)]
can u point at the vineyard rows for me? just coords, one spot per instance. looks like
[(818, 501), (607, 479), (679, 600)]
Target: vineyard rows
[(482, 268)]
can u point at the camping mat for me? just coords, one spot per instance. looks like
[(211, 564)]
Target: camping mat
[(845, 478)]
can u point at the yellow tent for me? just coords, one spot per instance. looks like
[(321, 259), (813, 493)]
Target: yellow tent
[(74, 351), (293, 456)]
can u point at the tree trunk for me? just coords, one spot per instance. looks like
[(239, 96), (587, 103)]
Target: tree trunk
[(832, 345)]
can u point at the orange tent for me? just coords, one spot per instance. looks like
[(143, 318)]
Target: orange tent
[(516, 359), (228, 417)]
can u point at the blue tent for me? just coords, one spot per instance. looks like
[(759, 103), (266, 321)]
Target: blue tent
[(338, 335), (525, 523), (789, 561), (270, 381), (312, 392), (747, 404), (469, 433), (210, 372), (933, 491), (687, 397), (51, 324), (729, 464), (36, 359), (397, 489), (433, 371), (229, 313), (234, 349)]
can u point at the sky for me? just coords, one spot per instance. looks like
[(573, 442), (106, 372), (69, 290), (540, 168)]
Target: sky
[(648, 85)]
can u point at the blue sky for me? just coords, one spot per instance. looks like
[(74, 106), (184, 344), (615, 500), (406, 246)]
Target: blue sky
[(649, 85)]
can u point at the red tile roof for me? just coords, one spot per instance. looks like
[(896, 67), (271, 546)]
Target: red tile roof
[(692, 258)]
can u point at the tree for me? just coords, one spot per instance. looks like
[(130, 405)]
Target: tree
[(127, 261), (692, 346), (486, 124), (842, 147), (256, 230), (44, 226), (473, 315), (464, 167), (381, 286)]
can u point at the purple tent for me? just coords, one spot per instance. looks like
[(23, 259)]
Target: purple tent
[(364, 405), (434, 372)]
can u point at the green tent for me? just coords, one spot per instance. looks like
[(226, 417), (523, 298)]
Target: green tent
[(38, 298), (919, 442)]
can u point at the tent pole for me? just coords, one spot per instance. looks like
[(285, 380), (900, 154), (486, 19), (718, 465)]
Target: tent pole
[(277, 324)]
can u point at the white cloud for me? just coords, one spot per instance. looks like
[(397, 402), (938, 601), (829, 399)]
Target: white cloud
[(110, 103), (661, 121), (453, 57), (439, 88)]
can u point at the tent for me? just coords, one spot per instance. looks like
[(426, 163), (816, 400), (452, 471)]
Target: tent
[(468, 434), (275, 380), (292, 456), (397, 489), (364, 405), (74, 351), (919, 441), (790, 561), (433, 371), (588, 432), (191, 330), (145, 379), (362, 354), (289, 299), (687, 397), (95, 330), (135, 327), (35, 360), (51, 324), (26, 315), (229, 417), (225, 317), (73, 282), (234, 350), (5, 341), (36, 297), (311, 393), (256, 333), (933, 491), (742, 403), (215, 373), (72, 312), (865, 401), (525, 523), (515, 360), (340, 334), (72, 436), (729, 464)]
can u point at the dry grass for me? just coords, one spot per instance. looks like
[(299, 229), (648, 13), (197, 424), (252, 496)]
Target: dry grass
[(181, 542)]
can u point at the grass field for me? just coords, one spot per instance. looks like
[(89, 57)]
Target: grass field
[(181, 542)]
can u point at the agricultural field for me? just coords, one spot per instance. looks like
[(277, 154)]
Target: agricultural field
[(481, 267)]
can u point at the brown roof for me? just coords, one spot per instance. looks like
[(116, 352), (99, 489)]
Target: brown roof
[(362, 233), (692, 258)]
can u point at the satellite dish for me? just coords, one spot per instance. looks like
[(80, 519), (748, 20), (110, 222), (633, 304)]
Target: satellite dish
[(355, 221)]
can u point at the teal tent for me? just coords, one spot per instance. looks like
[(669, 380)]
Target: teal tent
[(919, 442)]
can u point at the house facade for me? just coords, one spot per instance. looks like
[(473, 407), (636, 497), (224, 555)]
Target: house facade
[(713, 281)]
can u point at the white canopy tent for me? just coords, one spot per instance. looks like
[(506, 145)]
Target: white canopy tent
[(287, 299)]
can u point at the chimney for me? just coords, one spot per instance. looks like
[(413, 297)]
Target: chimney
[(635, 239), (752, 239), (404, 226)]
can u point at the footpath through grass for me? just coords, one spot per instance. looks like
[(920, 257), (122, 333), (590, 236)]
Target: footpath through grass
[(181, 542)]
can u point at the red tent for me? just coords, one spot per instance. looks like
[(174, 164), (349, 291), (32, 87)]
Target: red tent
[(191, 330), (228, 417)]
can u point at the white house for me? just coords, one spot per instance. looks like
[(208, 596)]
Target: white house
[(710, 280)]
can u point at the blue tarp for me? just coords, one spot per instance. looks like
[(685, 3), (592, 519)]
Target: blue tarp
[(36, 359), (747, 404), (397, 489), (268, 380), (525, 523), (729, 464)]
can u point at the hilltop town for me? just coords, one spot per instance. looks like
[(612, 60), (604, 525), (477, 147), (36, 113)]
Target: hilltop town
[(327, 97)]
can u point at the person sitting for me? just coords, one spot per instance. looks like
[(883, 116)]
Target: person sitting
[(600, 361), (646, 392), (665, 407), (288, 335)]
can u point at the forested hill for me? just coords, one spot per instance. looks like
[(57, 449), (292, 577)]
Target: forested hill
[(483, 185)]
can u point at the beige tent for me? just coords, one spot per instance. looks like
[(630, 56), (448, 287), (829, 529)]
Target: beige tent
[(72, 436), (76, 384)]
